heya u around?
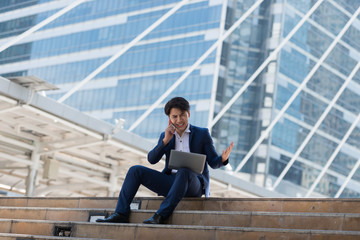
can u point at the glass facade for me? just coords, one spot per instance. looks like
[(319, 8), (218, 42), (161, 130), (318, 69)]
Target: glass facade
[(68, 49), (75, 44), (295, 62)]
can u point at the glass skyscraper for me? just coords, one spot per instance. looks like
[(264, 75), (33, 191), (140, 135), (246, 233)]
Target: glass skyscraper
[(67, 50)]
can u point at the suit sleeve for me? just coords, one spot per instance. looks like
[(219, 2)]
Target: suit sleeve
[(158, 151), (213, 159)]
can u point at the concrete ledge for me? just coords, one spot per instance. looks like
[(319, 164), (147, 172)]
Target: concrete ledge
[(289, 220), (195, 218), (143, 231), (10, 236), (211, 204)]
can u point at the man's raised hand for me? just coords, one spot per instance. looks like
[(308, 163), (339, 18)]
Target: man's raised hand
[(169, 133), (226, 153)]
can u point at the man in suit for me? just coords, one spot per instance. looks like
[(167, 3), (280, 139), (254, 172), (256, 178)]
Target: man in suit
[(170, 183)]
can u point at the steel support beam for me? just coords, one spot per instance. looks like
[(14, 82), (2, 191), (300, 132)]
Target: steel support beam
[(113, 181), (16, 159), (80, 144), (64, 122), (33, 169), (80, 164), (53, 188)]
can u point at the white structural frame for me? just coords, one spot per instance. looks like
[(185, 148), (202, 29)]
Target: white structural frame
[(296, 93), (347, 180), (195, 65), (33, 164), (316, 126), (122, 50), (90, 159), (62, 127), (307, 78), (271, 57), (332, 157), (217, 65), (41, 24), (252, 78)]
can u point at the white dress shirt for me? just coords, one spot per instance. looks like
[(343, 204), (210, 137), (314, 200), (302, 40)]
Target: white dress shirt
[(182, 142)]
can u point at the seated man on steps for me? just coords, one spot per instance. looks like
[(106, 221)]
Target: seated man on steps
[(172, 184)]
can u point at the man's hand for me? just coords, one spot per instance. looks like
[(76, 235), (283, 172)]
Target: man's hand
[(225, 154), (169, 133)]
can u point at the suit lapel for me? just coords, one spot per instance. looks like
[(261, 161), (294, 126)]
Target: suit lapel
[(190, 137)]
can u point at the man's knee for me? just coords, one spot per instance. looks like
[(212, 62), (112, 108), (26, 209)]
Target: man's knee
[(134, 170), (185, 172)]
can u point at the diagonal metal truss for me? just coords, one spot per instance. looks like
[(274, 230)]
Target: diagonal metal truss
[(333, 155), (348, 178), (195, 65), (271, 57), (34, 162), (41, 24), (50, 149), (316, 126), (122, 51), (296, 93)]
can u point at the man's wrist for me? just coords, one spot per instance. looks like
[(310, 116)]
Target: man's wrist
[(165, 142)]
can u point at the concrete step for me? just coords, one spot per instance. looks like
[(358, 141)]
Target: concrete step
[(206, 204), (288, 220), (14, 236), (62, 202), (142, 231)]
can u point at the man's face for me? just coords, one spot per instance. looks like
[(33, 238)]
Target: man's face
[(180, 119)]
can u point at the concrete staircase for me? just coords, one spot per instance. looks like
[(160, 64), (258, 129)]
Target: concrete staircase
[(213, 218)]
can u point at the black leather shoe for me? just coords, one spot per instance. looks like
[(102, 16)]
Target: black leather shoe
[(156, 219), (115, 218)]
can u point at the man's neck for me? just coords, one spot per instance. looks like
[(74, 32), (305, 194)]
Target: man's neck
[(181, 132)]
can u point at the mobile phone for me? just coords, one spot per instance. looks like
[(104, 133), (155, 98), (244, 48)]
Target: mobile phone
[(172, 124)]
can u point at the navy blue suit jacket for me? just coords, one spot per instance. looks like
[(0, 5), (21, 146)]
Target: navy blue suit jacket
[(201, 142)]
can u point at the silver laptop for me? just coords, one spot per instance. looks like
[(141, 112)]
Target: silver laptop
[(193, 161)]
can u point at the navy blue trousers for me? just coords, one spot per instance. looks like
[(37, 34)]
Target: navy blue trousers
[(174, 187)]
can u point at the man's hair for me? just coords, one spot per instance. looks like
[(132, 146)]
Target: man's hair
[(177, 102)]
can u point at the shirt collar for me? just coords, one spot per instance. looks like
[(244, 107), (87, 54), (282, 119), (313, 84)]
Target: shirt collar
[(187, 130)]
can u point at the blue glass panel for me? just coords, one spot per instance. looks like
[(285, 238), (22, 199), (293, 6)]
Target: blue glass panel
[(294, 65), (285, 135)]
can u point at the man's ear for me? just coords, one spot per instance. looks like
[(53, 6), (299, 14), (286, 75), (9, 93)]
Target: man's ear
[(188, 113)]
